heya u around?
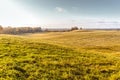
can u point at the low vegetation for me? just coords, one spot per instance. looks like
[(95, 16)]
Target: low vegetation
[(76, 55), (19, 30)]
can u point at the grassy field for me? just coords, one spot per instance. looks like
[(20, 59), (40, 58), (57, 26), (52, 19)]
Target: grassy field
[(75, 55)]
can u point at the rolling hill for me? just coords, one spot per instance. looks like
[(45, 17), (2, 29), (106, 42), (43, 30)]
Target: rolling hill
[(76, 55)]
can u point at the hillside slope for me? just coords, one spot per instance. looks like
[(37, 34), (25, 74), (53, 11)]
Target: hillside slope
[(92, 40), (35, 58)]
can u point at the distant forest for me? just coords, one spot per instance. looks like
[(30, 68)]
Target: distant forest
[(22, 30), (19, 30)]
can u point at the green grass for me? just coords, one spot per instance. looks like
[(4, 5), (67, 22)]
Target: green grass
[(61, 56)]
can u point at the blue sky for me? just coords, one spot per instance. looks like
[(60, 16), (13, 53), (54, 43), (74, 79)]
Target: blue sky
[(61, 13)]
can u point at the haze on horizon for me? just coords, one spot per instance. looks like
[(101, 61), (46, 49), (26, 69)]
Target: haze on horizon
[(60, 13)]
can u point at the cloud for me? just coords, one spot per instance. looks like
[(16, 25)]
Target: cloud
[(75, 8), (59, 9), (108, 22)]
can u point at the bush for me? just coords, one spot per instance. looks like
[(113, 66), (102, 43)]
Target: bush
[(74, 28)]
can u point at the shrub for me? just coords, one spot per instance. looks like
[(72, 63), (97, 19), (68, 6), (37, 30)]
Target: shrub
[(74, 28)]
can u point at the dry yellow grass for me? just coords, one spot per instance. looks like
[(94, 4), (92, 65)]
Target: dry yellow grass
[(101, 41), (86, 55)]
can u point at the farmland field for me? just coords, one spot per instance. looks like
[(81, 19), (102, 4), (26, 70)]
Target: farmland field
[(75, 55)]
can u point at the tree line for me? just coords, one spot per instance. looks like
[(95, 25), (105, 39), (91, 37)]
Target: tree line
[(19, 30), (22, 30)]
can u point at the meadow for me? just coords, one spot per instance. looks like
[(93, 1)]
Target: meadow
[(75, 55)]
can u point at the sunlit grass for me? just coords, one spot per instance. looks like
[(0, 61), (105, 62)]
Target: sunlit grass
[(61, 56)]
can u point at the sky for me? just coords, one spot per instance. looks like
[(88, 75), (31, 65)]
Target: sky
[(60, 13)]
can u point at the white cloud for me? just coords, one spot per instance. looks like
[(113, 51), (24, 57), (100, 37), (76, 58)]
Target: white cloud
[(13, 14), (59, 9)]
